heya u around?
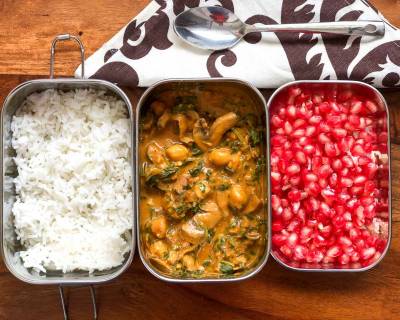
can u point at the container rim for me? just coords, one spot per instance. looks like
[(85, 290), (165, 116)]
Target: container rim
[(378, 94), (140, 104), (73, 280)]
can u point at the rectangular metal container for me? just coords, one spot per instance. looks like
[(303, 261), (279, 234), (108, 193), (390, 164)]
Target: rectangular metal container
[(9, 241), (371, 93), (259, 101)]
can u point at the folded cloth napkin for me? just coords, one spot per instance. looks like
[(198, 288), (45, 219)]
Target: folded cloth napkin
[(147, 49)]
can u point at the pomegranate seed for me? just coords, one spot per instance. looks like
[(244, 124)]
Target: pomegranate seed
[(301, 157), (288, 128), (333, 252), (356, 107), (277, 226), (331, 149), (300, 252), (309, 149), (315, 120), (367, 253), (276, 121), (286, 251), (344, 259), (299, 123), (293, 169), (310, 131), (323, 138), (371, 106), (339, 133), (324, 171), (359, 180)]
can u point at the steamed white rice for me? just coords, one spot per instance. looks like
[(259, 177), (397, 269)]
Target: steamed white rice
[(74, 194)]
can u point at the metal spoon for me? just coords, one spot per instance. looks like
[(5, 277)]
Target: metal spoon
[(218, 28)]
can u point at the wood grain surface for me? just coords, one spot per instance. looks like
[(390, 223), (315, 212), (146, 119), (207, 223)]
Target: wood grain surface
[(26, 29)]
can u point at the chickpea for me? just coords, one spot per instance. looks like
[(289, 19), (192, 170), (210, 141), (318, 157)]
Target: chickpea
[(158, 107), (159, 226), (177, 152), (159, 248), (238, 196), (220, 156)]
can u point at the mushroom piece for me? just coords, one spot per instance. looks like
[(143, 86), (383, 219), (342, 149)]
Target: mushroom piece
[(192, 232), (210, 216), (222, 201), (210, 137), (155, 154), (182, 123), (252, 205), (163, 120)]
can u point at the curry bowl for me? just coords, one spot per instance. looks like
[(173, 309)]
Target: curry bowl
[(201, 180)]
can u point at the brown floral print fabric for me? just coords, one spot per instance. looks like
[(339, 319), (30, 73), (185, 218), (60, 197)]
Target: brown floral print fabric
[(147, 50)]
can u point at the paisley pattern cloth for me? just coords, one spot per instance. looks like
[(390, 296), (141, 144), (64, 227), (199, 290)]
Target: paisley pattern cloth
[(147, 49)]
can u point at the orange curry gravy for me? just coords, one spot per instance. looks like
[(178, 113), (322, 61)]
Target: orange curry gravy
[(202, 184)]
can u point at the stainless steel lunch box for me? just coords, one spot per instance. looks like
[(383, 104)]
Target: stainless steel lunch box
[(9, 242), (179, 84), (370, 92)]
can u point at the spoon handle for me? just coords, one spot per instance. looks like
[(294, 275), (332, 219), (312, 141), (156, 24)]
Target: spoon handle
[(372, 28)]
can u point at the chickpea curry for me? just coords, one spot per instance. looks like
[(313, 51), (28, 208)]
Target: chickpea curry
[(202, 184)]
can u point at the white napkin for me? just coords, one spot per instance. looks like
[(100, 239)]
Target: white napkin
[(147, 49)]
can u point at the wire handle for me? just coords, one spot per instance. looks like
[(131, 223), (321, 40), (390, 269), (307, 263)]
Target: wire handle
[(63, 37), (64, 303)]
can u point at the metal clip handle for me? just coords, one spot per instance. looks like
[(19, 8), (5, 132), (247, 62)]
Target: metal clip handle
[(64, 303), (63, 37)]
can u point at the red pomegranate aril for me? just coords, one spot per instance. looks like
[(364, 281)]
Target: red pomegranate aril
[(363, 160), (309, 149), (331, 149), (276, 121), (323, 138), (315, 120), (292, 240), (300, 252), (275, 202), (301, 157), (310, 131), (306, 234), (337, 164), (286, 251), (291, 111), (310, 177), (358, 150), (344, 241), (346, 182), (371, 106), (294, 195), (299, 123), (347, 161), (343, 259), (339, 133), (324, 171), (333, 252), (277, 226), (293, 225), (360, 180), (298, 133), (287, 214), (367, 253), (293, 169), (275, 178), (288, 128), (356, 107), (279, 239)]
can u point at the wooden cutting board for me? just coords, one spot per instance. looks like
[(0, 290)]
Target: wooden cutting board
[(26, 29)]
